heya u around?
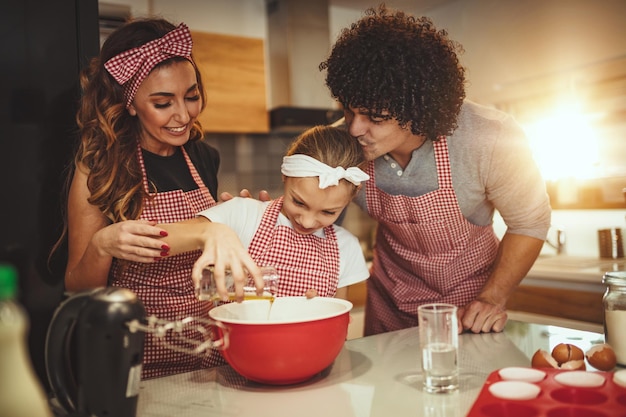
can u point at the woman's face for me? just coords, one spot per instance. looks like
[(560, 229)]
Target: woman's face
[(310, 208), (166, 104)]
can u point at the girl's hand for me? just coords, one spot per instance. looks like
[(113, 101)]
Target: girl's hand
[(311, 293), (223, 249)]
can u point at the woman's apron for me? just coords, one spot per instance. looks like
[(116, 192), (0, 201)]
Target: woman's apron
[(165, 287), (426, 251), (303, 262)]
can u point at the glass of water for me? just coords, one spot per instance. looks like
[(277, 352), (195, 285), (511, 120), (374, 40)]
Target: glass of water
[(439, 344)]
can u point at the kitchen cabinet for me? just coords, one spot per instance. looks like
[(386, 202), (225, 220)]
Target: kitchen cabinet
[(582, 306), (233, 73), (567, 287)]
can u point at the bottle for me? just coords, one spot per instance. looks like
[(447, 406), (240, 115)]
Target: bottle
[(614, 302), (208, 288), (21, 394)]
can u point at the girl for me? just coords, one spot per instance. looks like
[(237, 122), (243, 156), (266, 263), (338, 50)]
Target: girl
[(296, 232)]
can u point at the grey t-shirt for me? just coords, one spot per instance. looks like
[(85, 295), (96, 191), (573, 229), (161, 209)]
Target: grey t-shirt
[(492, 168)]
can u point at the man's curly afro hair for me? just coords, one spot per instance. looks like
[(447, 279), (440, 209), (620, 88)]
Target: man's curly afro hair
[(392, 61)]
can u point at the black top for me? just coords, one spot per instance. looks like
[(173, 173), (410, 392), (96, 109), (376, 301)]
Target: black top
[(170, 173)]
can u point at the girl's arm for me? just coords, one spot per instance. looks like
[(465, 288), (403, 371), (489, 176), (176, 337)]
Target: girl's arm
[(220, 247)]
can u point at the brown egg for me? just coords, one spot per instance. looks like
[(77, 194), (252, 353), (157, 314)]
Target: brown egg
[(542, 359), (601, 357), (565, 352)]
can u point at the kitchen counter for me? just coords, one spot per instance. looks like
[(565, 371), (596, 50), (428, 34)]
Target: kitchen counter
[(565, 287), (372, 376), (573, 272)]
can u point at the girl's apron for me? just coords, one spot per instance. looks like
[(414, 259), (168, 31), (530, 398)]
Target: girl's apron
[(302, 261), (426, 251), (165, 287)]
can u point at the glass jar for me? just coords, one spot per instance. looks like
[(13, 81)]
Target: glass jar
[(614, 302)]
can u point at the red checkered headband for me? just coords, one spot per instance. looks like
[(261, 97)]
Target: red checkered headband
[(131, 67)]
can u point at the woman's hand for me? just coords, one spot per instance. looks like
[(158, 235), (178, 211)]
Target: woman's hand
[(132, 240)]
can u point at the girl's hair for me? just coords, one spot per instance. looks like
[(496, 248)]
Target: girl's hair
[(331, 145), (108, 134), (395, 62)]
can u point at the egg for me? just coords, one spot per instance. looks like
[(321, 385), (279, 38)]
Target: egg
[(542, 359), (601, 357), (574, 365), (565, 352)]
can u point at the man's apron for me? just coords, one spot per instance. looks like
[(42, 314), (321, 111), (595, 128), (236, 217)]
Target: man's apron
[(302, 261), (425, 252), (165, 287)]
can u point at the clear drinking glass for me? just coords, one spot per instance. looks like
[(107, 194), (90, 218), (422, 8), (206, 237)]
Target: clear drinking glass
[(439, 344)]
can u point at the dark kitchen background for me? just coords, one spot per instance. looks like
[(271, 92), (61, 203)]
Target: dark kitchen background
[(43, 45)]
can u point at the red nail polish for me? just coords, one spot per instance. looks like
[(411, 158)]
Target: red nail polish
[(164, 253), (157, 259), (165, 248), (163, 233)]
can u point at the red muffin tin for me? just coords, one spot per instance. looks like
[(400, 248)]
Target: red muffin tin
[(554, 400)]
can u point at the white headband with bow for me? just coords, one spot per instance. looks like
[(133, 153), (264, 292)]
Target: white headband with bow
[(305, 166)]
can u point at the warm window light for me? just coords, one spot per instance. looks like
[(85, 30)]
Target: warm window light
[(564, 143)]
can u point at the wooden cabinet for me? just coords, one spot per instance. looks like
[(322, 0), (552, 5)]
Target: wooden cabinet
[(233, 73), (558, 302)]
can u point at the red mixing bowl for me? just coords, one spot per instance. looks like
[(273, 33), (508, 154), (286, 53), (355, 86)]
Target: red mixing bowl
[(286, 342)]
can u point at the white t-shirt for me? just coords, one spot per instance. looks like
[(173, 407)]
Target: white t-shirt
[(244, 215)]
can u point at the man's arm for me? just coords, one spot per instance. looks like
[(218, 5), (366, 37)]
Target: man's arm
[(515, 257)]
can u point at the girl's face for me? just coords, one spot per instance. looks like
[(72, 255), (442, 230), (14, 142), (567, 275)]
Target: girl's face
[(166, 104), (310, 208)]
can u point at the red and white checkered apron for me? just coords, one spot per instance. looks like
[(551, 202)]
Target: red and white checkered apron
[(426, 251), (302, 261), (165, 286)]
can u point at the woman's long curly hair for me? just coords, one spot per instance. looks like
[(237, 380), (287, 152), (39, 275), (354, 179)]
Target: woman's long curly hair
[(391, 61), (109, 134)]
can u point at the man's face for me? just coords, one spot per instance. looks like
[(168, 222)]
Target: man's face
[(380, 134)]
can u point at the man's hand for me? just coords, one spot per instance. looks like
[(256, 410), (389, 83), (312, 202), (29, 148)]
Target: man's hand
[(481, 317), (245, 193)]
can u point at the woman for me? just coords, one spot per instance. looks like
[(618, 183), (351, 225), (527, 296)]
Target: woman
[(141, 162)]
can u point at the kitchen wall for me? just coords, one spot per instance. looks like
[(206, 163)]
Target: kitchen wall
[(505, 42)]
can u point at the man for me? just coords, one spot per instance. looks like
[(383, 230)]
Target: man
[(439, 167)]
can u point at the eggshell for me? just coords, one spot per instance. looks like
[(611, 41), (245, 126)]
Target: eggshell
[(514, 390), (575, 365), (601, 357), (580, 379), (565, 352), (542, 359)]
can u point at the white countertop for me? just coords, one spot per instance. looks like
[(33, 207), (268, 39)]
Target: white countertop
[(376, 376), (573, 272)]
